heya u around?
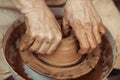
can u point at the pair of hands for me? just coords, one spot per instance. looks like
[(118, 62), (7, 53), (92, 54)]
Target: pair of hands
[(43, 33)]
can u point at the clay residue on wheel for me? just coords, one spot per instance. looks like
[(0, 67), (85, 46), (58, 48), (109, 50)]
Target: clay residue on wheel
[(12, 52)]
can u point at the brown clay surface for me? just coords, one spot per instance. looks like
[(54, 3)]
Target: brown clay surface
[(13, 57)]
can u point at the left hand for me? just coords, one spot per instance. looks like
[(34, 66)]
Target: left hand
[(85, 22)]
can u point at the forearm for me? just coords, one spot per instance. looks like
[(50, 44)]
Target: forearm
[(26, 5)]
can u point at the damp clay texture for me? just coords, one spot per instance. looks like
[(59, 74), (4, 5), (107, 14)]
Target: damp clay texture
[(65, 63)]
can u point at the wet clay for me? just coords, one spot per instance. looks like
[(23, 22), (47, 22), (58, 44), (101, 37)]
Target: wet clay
[(97, 72), (12, 53)]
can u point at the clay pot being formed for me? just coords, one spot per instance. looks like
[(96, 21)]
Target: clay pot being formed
[(65, 55)]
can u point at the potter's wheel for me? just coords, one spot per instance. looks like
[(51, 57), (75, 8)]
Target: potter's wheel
[(81, 65)]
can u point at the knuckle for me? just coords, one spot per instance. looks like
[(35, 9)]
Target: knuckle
[(22, 48), (103, 30), (88, 26), (90, 50), (88, 23), (86, 48), (99, 21), (58, 39), (50, 52), (99, 41), (50, 38), (41, 36), (33, 34), (93, 46), (60, 36), (32, 49), (40, 52), (83, 51)]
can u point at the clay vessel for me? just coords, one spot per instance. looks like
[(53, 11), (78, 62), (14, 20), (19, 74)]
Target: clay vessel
[(65, 55)]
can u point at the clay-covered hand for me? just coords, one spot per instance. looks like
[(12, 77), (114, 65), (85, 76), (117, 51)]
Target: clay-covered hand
[(43, 33), (85, 23)]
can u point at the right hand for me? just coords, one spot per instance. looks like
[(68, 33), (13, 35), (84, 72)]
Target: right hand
[(81, 16), (43, 33)]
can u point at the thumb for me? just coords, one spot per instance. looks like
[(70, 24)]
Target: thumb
[(101, 29), (66, 25)]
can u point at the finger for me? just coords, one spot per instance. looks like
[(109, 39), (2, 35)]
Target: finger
[(58, 25), (101, 28), (36, 45), (27, 25), (84, 44), (44, 47), (54, 45), (81, 36), (26, 42), (96, 33), (91, 37), (66, 27)]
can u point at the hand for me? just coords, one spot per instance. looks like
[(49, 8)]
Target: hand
[(43, 33), (85, 22)]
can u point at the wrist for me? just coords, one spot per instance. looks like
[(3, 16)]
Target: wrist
[(31, 10), (33, 7), (79, 1)]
